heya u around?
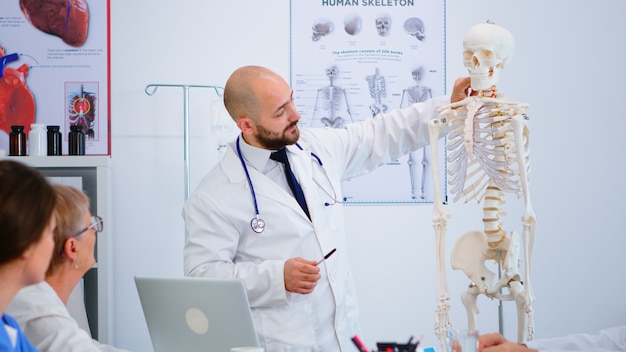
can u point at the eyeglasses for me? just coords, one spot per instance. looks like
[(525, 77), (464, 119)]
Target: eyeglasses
[(96, 223)]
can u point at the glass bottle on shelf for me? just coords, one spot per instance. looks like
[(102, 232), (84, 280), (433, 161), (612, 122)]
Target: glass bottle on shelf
[(76, 141), (55, 146), (17, 141)]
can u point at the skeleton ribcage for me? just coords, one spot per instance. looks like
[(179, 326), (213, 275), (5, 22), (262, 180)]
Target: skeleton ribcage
[(331, 98), (377, 86), (418, 94), (485, 151)]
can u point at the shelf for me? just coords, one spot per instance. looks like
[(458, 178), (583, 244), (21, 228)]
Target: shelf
[(63, 160)]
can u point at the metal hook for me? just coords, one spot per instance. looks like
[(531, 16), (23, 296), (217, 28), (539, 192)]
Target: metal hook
[(151, 90)]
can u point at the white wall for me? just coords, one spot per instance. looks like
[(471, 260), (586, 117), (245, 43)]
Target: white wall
[(568, 66)]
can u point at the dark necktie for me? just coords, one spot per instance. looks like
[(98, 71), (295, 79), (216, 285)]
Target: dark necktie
[(281, 156)]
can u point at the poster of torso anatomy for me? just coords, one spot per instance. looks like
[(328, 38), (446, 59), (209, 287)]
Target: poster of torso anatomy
[(352, 59), (55, 69)]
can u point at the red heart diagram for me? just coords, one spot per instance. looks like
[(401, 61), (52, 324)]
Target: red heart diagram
[(66, 19), (17, 104)]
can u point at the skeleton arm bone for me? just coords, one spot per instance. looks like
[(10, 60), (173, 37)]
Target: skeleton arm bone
[(317, 97), (402, 105), (440, 214), (345, 98), (528, 218), (440, 219)]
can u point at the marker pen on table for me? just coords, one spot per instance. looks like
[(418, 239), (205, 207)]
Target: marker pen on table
[(326, 256), (359, 344)]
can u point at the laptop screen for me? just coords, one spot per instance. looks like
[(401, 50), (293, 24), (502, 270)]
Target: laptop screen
[(196, 314)]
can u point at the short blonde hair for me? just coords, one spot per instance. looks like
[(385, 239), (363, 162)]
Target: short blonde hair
[(71, 206)]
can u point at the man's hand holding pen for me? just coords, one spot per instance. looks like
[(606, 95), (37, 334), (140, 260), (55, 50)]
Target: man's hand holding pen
[(301, 275)]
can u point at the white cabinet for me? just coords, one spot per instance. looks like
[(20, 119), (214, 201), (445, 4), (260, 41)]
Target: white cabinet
[(94, 174)]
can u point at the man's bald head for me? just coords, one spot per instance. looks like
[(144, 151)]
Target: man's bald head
[(241, 91)]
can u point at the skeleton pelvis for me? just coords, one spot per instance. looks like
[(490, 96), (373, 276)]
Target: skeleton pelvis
[(470, 253)]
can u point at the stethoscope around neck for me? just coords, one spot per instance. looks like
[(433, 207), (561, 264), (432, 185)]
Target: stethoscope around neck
[(257, 223)]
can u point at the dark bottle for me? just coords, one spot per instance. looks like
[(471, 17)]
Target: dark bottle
[(55, 146), (17, 141), (76, 141)]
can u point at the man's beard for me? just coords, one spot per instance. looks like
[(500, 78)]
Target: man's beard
[(274, 141)]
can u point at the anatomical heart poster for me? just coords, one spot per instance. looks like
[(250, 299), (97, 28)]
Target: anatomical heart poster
[(354, 59), (54, 57)]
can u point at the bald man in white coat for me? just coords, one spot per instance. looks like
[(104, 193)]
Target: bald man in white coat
[(297, 305)]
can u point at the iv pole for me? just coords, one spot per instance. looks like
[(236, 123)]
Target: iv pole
[(151, 89)]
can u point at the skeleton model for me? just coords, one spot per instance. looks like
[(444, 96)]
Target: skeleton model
[(488, 157), (416, 94), (332, 99), (378, 90)]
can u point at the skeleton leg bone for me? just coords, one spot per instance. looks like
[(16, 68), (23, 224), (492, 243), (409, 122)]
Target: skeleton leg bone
[(469, 299), (515, 286), (412, 163), (412, 173)]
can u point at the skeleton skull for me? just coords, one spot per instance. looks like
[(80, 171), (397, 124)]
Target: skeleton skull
[(487, 49), (415, 27), (331, 71), (352, 24), (418, 73), (322, 27), (383, 24)]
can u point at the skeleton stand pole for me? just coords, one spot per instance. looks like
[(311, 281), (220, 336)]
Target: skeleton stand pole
[(151, 89), (500, 307)]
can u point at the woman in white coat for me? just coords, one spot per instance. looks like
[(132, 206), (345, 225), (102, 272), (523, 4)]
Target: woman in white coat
[(41, 309), (611, 339), (243, 222)]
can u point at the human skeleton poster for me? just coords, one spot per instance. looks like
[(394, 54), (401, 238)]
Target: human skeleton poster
[(351, 60)]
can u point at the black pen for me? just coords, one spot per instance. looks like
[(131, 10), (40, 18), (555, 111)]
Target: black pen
[(326, 256)]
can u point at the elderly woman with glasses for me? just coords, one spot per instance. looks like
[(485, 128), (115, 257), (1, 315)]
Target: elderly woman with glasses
[(41, 310), (26, 241)]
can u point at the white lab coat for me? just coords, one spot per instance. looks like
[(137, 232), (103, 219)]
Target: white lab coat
[(607, 340), (47, 323), (221, 243)]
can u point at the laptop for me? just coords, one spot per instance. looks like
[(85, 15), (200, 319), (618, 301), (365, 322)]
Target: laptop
[(196, 314)]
